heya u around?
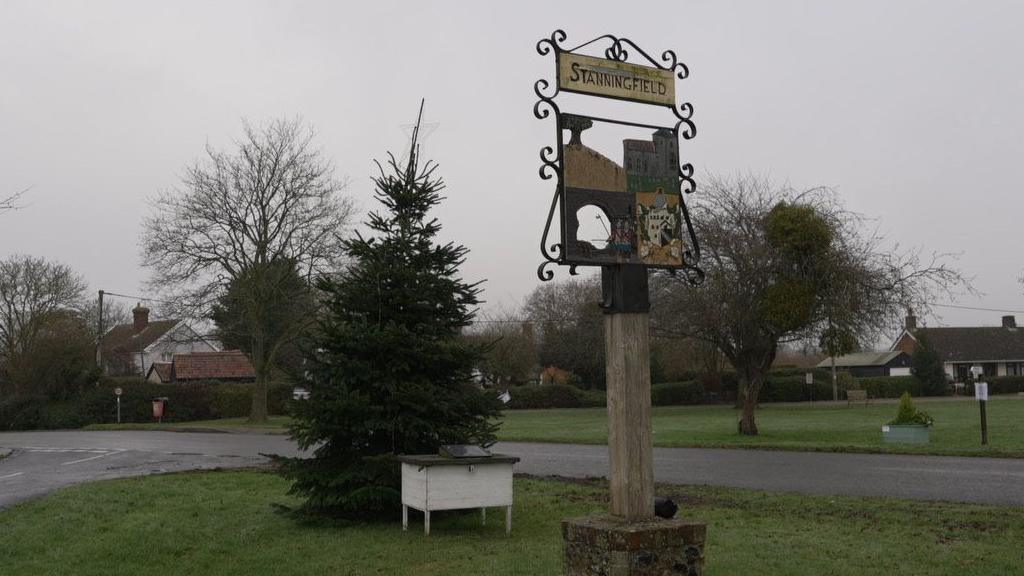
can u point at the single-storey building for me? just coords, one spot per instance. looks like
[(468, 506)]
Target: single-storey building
[(999, 350), (867, 364), (225, 365), (131, 349)]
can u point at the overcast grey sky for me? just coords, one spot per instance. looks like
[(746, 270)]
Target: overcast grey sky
[(911, 110)]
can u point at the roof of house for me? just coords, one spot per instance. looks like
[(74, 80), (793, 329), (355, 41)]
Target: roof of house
[(163, 371), (861, 359), (124, 337), (976, 343), (224, 365)]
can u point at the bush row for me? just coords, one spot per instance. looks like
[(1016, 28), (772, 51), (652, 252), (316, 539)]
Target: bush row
[(97, 405), (890, 386), (1001, 385), (678, 393), (779, 386), (554, 396)]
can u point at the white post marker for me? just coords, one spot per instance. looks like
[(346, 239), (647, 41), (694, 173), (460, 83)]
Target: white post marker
[(981, 391), (117, 393)]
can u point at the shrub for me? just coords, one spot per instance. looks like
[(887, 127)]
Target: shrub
[(677, 393), (204, 400), (1005, 385), (906, 414), (62, 416), (22, 412), (554, 396), (792, 388), (889, 386)]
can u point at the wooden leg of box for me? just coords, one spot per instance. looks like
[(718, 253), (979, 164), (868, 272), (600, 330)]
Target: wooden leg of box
[(405, 517), (483, 516), (508, 520), (426, 522)]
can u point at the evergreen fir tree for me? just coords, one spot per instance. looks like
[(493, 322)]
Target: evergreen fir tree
[(389, 373), (926, 366)]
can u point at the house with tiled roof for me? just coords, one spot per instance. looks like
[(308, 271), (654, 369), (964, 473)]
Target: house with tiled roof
[(131, 349), (225, 365), (999, 350)]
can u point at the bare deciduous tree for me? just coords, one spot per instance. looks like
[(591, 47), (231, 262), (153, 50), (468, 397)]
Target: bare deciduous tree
[(32, 291), (826, 274), (11, 202), (570, 327), (510, 356), (273, 198)]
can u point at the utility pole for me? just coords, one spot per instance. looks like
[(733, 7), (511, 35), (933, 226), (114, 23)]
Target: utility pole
[(99, 334)]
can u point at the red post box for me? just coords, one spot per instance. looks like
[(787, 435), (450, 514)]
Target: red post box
[(158, 409)]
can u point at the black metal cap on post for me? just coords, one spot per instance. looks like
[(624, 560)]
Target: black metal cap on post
[(624, 289)]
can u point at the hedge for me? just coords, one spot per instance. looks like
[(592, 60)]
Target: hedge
[(554, 396), (890, 386), (792, 388), (185, 402), (678, 393), (1001, 385)]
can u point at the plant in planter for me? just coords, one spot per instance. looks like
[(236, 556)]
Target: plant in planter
[(910, 426)]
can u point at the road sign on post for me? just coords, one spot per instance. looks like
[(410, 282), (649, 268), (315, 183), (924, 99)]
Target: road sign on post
[(117, 394)]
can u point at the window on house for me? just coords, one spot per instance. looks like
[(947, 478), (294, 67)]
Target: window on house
[(1013, 368), (962, 372)]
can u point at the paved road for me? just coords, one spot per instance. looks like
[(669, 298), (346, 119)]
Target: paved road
[(42, 462), (45, 461), (980, 480)]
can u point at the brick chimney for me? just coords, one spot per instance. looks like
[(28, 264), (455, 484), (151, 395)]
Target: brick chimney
[(1009, 322), (140, 315), (911, 322)]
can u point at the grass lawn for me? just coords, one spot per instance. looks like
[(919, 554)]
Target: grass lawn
[(822, 427), (791, 427), (273, 425), (225, 523)]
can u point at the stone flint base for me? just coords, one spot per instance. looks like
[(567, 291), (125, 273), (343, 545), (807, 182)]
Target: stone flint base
[(609, 546)]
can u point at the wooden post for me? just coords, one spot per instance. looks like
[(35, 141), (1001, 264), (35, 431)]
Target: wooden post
[(628, 383), (984, 424)]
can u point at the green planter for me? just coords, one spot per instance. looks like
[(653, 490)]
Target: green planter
[(905, 434)]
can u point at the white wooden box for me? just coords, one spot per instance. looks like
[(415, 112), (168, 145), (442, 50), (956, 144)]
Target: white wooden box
[(432, 482)]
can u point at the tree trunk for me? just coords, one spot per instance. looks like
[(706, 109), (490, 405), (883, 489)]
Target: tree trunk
[(259, 391), (835, 385), (751, 387), (259, 397)]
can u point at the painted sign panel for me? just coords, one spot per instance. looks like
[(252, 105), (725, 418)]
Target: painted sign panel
[(636, 193), (602, 77)]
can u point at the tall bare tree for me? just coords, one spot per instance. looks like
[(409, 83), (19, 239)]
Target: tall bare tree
[(273, 198), (785, 266), (510, 349), (11, 202), (569, 324), (32, 292)]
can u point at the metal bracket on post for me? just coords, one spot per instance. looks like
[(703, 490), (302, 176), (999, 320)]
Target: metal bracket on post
[(624, 289)]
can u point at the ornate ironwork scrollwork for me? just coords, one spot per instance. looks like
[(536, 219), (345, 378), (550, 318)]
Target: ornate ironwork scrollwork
[(686, 182), (617, 51), (546, 45), (684, 112)]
